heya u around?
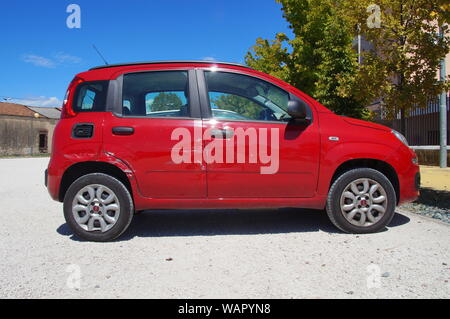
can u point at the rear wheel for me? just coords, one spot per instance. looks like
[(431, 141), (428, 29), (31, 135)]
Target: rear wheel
[(361, 201), (98, 207)]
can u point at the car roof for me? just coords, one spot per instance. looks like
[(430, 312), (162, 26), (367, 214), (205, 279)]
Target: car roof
[(167, 62)]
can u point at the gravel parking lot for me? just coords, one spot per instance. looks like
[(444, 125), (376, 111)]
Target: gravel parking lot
[(213, 254)]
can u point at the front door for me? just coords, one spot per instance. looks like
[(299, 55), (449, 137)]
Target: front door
[(251, 148), (154, 107)]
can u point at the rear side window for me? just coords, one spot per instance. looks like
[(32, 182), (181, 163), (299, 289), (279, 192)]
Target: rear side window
[(156, 94), (91, 97)]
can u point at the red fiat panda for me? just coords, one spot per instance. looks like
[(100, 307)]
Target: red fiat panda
[(205, 135)]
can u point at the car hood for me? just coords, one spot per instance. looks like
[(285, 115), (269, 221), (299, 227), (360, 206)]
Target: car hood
[(366, 124)]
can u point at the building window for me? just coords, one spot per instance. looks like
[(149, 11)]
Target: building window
[(43, 142)]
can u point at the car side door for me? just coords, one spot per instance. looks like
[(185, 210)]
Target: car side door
[(152, 105), (252, 149)]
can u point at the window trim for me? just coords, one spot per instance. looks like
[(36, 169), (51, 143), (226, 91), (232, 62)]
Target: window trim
[(206, 104), (77, 93), (194, 108)]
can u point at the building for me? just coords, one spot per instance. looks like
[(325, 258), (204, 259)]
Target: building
[(26, 131)]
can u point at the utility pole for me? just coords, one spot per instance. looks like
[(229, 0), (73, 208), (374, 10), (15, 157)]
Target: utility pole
[(443, 114)]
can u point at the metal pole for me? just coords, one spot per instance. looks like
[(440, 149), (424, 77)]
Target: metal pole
[(359, 45), (443, 114), (359, 50)]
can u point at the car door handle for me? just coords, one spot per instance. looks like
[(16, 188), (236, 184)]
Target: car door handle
[(221, 133), (122, 130)]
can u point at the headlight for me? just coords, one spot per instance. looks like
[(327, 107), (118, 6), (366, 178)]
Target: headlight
[(400, 137)]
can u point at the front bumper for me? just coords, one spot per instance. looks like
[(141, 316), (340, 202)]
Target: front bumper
[(417, 181), (408, 173)]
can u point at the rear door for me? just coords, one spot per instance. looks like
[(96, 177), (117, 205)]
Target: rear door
[(251, 147), (157, 109)]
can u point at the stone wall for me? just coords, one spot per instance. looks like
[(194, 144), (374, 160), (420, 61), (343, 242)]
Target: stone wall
[(20, 135)]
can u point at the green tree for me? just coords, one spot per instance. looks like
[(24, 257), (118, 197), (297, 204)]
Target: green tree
[(165, 102), (318, 59), (402, 68), (337, 70), (238, 104)]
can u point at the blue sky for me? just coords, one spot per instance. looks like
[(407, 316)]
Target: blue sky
[(39, 54)]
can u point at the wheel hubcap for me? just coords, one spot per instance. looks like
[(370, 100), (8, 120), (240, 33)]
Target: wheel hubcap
[(363, 202), (96, 208)]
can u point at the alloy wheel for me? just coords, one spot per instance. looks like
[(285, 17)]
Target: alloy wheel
[(363, 202), (96, 208)]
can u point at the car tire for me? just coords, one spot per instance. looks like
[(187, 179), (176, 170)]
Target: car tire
[(355, 201), (98, 207)]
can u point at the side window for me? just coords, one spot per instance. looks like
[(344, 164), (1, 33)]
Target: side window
[(239, 97), (91, 97), (156, 94)]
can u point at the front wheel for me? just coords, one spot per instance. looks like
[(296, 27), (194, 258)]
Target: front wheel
[(361, 201), (98, 207)]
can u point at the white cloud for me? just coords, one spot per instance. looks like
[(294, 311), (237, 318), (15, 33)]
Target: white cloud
[(62, 57), (59, 58), (209, 58), (38, 101), (38, 60)]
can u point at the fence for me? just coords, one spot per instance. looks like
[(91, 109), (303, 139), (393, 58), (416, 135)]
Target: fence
[(422, 124)]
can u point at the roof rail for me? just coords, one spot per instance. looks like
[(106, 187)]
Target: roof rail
[(161, 62)]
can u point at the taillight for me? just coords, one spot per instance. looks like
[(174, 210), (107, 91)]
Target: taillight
[(67, 109)]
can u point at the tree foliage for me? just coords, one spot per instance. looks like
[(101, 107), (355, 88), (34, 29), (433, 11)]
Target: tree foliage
[(321, 61), (238, 104), (166, 101), (402, 68), (319, 57)]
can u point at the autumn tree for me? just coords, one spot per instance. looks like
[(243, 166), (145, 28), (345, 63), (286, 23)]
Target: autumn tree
[(402, 68)]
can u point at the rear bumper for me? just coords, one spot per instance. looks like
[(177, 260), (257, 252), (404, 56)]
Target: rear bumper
[(52, 182)]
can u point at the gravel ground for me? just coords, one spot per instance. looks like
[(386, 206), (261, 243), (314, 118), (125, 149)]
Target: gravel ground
[(221, 254), (434, 200), (431, 203)]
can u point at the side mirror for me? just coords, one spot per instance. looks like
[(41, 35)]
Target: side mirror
[(297, 109)]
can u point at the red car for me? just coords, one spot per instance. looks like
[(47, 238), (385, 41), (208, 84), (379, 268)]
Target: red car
[(207, 135)]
